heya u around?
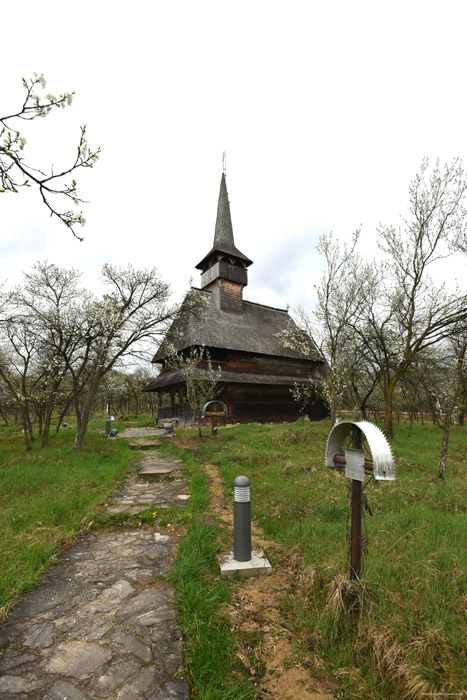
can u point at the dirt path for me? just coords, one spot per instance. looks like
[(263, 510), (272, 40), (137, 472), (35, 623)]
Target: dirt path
[(266, 643)]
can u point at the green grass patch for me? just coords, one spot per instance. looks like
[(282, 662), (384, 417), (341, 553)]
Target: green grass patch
[(47, 496), (406, 635), (209, 646)]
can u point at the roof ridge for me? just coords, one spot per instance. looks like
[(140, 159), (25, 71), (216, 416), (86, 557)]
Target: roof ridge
[(265, 306)]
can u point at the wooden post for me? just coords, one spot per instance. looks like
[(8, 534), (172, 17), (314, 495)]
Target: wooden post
[(356, 526), (213, 416)]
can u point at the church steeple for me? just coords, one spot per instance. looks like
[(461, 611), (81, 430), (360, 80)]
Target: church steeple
[(224, 268), (224, 247)]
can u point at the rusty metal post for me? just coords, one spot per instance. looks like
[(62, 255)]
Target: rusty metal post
[(356, 526)]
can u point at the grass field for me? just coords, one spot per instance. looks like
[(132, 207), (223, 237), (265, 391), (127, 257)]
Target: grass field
[(398, 633), (47, 496), (401, 631)]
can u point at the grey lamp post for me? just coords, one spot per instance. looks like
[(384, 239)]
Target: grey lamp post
[(242, 519)]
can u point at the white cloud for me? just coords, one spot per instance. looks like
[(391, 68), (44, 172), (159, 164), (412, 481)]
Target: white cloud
[(325, 110)]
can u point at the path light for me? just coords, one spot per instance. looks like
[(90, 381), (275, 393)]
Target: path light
[(242, 519), (243, 561), (108, 421), (380, 466)]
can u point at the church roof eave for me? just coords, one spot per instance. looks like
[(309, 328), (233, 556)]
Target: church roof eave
[(223, 251)]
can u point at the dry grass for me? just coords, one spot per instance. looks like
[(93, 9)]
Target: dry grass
[(391, 662)]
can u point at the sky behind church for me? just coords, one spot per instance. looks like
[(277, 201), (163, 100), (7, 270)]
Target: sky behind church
[(325, 110)]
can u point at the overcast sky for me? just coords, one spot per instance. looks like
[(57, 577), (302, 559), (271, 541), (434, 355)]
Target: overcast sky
[(325, 110)]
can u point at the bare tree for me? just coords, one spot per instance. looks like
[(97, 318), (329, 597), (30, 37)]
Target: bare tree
[(409, 312), (7, 403), (18, 367), (46, 297), (119, 326), (341, 292), (61, 329), (16, 172)]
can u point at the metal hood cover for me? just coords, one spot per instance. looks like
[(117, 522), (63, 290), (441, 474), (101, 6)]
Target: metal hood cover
[(383, 460)]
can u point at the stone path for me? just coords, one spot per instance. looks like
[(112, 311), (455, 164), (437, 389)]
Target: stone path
[(102, 623), (142, 432)]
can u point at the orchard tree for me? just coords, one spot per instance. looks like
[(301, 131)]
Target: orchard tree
[(201, 380), (19, 350), (7, 403), (341, 293), (409, 312), (48, 297), (62, 336), (55, 188), (123, 325)]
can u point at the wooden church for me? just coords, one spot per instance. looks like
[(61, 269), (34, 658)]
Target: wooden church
[(242, 338)]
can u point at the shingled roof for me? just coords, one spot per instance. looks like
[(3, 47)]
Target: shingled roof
[(174, 377), (223, 234), (255, 330)]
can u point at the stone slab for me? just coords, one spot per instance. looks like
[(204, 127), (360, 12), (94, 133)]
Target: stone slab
[(78, 659), (159, 469), (257, 566), (63, 689), (176, 689), (48, 596), (141, 432), (143, 444)]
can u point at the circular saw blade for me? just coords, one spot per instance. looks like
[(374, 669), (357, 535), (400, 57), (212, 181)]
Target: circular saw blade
[(381, 453)]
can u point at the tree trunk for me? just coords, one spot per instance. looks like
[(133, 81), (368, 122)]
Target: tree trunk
[(448, 416), (86, 410), (434, 411), (333, 407), (29, 424), (76, 405), (388, 422), (5, 417), (46, 425), (446, 431), (26, 433), (462, 407), (85, 414), (63, 414), (411, 423)]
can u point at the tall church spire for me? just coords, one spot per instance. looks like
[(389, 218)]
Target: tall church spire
[(224, 268), (224, 245), (223, 234)]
